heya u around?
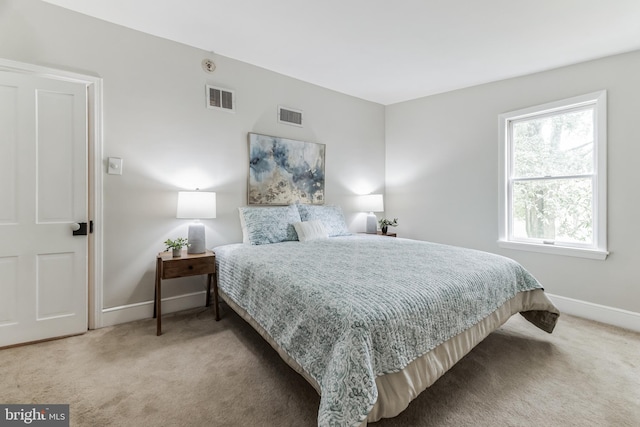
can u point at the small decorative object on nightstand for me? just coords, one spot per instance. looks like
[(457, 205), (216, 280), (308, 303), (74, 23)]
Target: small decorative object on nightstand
[(385, 223), (176, 246), (168, 267)]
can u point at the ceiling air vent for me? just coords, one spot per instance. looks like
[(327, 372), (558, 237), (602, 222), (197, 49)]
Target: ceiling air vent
[(289, 116), (221, 99)]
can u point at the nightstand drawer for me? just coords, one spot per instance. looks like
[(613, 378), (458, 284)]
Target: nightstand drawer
[(188, 267)]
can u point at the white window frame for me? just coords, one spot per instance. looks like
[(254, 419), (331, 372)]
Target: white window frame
[(599, 248)]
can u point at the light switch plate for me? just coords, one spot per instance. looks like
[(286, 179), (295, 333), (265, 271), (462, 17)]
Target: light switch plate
[(114, 166)]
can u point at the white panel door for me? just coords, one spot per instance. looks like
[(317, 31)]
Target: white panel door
[(43, 193)]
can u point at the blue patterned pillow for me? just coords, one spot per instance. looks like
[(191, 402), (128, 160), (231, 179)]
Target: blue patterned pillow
[(268, 225), (331, 217)]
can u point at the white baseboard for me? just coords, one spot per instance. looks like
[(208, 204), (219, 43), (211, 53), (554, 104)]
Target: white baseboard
[(600, 313), (144, 310)]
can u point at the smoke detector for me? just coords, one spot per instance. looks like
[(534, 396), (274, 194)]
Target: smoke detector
[(208, 65)]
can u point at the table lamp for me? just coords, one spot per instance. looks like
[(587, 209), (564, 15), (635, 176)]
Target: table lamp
[(196, 205), (372, 203)]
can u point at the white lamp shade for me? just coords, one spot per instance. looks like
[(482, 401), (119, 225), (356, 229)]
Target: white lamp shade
[(196, 205), (372, 203)]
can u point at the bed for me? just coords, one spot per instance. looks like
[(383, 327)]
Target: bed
[(369, 321)]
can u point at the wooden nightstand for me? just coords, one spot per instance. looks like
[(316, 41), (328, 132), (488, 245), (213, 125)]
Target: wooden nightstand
[(168, 267), (388, 234)]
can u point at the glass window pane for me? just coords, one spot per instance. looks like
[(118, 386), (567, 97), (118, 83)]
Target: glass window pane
[(554, 209), (555, 145)]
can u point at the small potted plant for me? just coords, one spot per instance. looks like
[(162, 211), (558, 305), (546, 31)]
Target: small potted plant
[(176, 245), (385, 223)]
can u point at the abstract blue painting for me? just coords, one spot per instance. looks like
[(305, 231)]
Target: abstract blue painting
[(284, 171)]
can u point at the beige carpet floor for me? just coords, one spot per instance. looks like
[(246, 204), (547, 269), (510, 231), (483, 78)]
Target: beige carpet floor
[(206, 373)]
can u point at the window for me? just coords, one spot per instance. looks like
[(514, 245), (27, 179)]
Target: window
[(553, 182)]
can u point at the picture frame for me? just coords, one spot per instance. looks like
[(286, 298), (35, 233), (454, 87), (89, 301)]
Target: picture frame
[(285, 171)]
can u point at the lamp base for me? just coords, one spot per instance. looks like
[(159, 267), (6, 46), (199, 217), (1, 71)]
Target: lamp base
[(196, 239), (372, 224)]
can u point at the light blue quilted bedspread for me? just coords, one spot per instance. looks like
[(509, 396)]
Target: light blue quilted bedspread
[(348, 309)]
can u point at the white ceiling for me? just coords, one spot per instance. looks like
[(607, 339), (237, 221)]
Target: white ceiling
[(388, 51)]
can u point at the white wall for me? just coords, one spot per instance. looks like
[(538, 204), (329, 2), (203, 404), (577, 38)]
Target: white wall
[(155, 119), (441, 151), (442, 173)]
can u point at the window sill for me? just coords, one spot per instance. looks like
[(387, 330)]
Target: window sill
[(555, 250)]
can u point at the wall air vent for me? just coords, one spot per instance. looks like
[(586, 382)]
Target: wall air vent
[(289, 116), (221, 99)]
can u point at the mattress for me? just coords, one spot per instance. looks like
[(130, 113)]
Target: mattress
[(372, 321)]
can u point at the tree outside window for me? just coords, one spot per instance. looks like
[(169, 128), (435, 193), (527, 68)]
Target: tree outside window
[(552, 192)]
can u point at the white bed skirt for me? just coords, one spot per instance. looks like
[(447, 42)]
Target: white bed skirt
[(398, 389)]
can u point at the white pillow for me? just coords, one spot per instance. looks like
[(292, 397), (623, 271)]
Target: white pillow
[(310, 230), (245, 232)]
